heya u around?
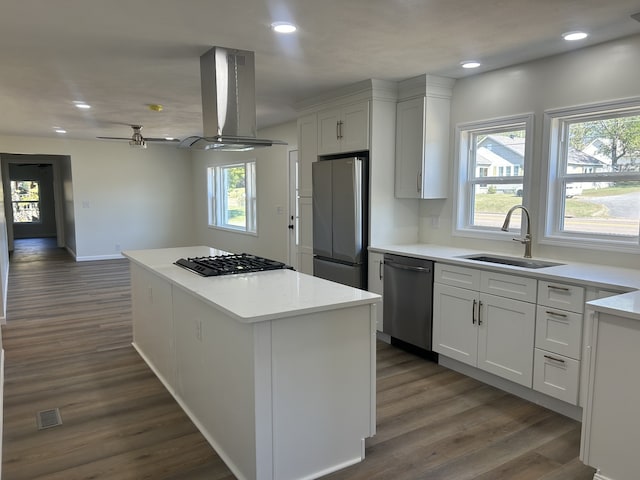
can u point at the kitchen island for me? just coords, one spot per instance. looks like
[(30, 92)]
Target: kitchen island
[(275, 368)]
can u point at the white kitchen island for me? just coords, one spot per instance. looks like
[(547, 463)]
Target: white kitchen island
[(276, 368)]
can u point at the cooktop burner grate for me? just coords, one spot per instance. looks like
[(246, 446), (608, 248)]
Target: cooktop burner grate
[(229, 264)]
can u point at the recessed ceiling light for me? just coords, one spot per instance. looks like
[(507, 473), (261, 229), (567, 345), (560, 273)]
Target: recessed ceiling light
[(572, 36), (82, 105), (60, 130), (470, 64), (283, 27)]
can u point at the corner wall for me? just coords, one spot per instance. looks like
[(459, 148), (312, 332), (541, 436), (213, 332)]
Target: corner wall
[(272, 190), (595, 74), (118, 198)]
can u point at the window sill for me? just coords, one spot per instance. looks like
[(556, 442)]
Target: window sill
[(233, 230)]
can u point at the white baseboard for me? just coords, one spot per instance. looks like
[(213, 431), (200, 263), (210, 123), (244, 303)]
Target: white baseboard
[(521, 391), (114, 256)]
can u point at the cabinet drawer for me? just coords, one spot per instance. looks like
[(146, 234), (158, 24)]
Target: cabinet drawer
[(559, 331), (457, 276), (559, 295), (509, 286), (556, 376)]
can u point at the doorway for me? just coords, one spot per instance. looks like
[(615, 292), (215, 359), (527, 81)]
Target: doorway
[(293, 209), (33, 197)]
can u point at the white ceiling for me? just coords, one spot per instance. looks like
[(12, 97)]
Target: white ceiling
[(121, 55)]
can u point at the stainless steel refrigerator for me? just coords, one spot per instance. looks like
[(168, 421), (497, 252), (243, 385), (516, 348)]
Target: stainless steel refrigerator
[(340, 220)]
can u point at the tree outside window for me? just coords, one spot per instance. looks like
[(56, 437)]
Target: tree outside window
[(493, 156), (232, 196), (25, 199), (594, 175)]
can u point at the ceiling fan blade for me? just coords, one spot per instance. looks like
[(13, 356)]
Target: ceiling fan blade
[(115, 138), (161, 139)]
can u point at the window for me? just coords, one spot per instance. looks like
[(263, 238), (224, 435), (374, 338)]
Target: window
[(25, 199), (492, 160), (232, 196), (594, 176)]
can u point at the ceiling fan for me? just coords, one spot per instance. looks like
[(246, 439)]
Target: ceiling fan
[(137, 140)]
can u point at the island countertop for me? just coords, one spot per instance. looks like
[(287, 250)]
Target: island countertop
[(251, 297)]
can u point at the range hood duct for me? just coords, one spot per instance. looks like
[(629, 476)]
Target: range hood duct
[(227, 77)]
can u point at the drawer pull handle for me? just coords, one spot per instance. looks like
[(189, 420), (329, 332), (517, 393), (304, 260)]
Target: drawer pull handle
[(553, 287), (554, 359), (556, 314)]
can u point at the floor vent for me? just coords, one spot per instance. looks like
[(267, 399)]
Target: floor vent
[(48, 418)]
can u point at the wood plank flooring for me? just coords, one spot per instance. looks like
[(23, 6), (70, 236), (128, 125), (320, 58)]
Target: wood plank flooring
[(68, 345)]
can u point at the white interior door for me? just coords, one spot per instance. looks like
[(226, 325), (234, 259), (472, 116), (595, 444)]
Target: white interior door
[(293, 214)]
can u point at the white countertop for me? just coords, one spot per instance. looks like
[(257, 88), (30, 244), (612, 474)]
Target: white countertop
[(252, 297), (599, 276), (626, 305), (593, 275)]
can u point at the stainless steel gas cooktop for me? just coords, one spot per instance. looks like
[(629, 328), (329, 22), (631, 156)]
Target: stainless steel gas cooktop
[(229, 264)]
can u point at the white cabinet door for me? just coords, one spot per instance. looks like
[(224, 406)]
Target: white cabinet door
[(506, 337), (376, 283), (409, 147), (422, 148), (355, 128), (307, 152), (344, 129), (455, 332), (329, 131), (153, 321)]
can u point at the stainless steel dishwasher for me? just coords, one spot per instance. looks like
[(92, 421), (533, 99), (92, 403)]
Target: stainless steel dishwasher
[(408, 299)]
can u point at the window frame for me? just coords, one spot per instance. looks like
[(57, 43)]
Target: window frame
[(556, 122), (464, 184), (217, 197), (38, 202)]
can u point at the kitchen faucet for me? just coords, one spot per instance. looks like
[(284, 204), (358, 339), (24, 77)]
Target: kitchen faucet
[(527, 238)]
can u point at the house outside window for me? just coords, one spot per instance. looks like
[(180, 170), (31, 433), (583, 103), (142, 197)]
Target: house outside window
[(25, 200), (593, 197), (492, 159), (232, 196)]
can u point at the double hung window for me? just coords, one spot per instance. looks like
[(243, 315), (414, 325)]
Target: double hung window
[(493, 159), (594, 176), (232, 196)]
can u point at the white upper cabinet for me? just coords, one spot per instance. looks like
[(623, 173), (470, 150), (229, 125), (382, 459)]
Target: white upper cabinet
[(422, 139), (344, 129), (307, 152)]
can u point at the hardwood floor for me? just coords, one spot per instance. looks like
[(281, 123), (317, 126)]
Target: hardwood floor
[(68, 345)]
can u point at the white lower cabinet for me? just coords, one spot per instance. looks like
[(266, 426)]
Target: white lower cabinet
[(376, 283), (559, 341), (556, 375), (487, 331)]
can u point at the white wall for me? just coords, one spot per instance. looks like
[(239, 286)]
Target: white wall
[(272, 191), (590, 75), (121, 196)]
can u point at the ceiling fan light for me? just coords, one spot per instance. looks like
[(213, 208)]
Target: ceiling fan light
[(137, 144)]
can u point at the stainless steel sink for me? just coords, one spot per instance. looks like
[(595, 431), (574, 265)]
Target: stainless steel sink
[(514, 261)]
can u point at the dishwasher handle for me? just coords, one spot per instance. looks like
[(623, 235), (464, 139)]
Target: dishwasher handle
[(407, 267)]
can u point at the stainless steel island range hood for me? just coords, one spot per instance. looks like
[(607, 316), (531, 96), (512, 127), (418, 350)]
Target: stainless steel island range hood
[(227, 76)]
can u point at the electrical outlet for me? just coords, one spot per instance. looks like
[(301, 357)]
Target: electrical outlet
[(435, 221), (117, 247)]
